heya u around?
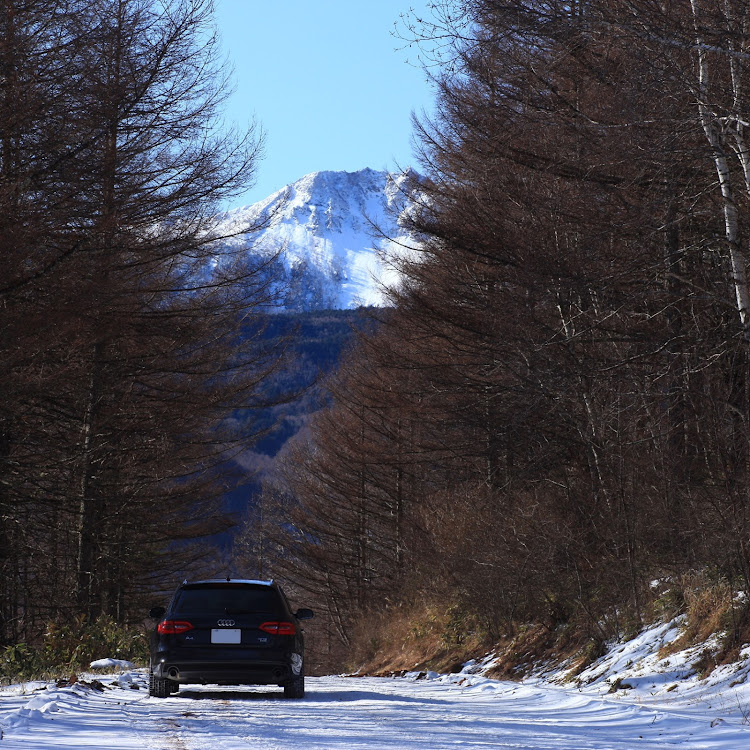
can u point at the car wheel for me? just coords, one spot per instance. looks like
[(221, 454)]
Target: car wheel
[(295, 688), (160, 687)]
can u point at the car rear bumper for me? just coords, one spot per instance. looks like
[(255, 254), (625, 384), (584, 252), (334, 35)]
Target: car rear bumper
[(241, 667), (224, 673)]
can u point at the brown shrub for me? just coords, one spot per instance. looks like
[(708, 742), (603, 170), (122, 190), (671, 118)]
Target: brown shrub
[(417, 636)]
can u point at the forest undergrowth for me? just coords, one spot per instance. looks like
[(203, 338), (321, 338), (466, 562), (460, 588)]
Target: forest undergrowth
[(443, 638)]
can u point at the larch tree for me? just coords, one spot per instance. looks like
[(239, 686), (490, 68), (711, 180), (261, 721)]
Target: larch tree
[(141, 350), (563, 376)]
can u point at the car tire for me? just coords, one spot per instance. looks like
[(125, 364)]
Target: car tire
[(295, 688), (160, 687)]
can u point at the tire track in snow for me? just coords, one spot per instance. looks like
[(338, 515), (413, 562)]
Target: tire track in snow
[(174, 741), (200, 720), (354, 714)]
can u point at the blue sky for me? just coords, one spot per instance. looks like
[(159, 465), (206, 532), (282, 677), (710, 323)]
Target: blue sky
[(327, 81)]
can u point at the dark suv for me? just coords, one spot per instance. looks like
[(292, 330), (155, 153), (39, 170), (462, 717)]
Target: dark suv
[(228, 632)]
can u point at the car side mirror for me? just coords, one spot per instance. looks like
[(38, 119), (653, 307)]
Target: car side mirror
[(304, 614), (157, 612)]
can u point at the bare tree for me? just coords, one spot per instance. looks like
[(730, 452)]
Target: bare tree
[(142, 352), (563, 376)]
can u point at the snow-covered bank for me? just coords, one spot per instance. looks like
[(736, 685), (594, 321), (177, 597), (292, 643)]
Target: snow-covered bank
[(642, 670), (431, 713)]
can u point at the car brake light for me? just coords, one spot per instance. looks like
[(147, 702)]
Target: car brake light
[(278, 628), (173, 627)]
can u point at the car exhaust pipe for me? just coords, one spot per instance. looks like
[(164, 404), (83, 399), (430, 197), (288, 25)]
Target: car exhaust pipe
[(173, 673)]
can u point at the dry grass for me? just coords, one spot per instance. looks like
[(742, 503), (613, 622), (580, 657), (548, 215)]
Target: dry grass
[(708, 610), (416, 637), (536, 645), (711, 609), (442, 637), (428, 636)]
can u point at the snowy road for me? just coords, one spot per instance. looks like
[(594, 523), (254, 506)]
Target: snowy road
[(352, 713)]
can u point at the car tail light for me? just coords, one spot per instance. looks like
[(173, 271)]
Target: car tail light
[(173, 627), (278, 628)]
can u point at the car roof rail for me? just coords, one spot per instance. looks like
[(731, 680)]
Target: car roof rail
[(267, 582)]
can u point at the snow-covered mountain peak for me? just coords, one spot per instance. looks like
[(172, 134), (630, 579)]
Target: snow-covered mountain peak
[(334, 233)]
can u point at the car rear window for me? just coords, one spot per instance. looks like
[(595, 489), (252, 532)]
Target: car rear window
[(226, 599)]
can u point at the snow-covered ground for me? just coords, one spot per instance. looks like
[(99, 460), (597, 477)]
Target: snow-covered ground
[(666, 705)]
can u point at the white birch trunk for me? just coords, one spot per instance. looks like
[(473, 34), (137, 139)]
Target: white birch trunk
[(717, 140)]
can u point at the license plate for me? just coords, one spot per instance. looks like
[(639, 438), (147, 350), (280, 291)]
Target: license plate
[(226, 635)]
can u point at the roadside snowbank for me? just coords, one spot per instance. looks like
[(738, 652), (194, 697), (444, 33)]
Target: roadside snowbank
[(633, 672), (111, 664), (39, 715)]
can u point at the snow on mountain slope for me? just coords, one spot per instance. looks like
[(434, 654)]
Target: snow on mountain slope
[(334, 231)]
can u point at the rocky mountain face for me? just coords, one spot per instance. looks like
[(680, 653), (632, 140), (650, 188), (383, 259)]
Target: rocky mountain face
[(329, 237), (325, 243)]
